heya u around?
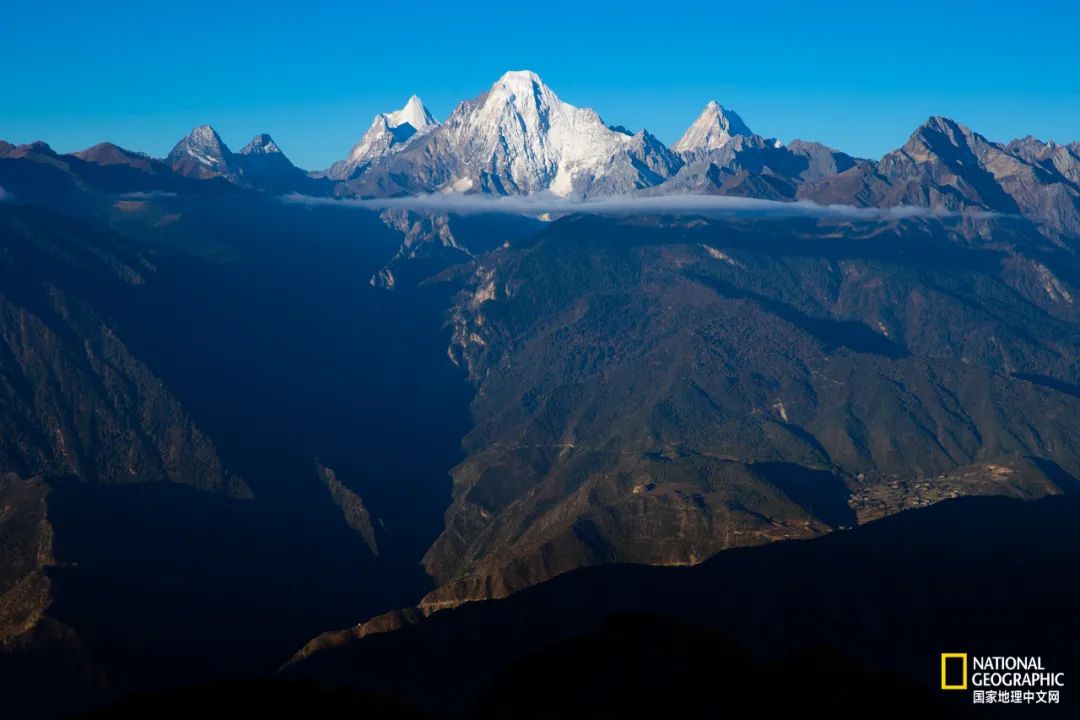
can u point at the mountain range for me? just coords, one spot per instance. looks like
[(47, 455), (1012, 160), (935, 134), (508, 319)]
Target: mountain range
[(520, 138), (222, 439)]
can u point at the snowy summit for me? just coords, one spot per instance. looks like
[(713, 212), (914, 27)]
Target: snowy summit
[(713, 129), (388, 132)]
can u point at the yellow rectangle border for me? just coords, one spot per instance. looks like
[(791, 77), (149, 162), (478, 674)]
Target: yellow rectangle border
[(945, 657)]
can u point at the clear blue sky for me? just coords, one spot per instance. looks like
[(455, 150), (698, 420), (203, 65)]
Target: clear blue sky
[(857, 75)]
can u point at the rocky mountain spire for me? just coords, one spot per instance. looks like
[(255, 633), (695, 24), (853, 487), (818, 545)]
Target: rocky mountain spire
[(713, 129), (261, 144), (202, 154)]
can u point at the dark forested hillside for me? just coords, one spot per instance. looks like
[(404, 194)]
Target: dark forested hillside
[(658, 389)]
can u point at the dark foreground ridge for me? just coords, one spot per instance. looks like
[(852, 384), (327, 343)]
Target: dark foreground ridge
[(851, 623)]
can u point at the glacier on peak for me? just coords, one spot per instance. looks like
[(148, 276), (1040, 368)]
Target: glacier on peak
[(531, 139), (387, 134), (519, 138), (414, 113)]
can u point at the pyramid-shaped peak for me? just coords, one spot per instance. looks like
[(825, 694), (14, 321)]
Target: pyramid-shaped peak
[(201, 154), (937, 127), (942, 124), (261, 144), (414, 113), (204, 134), (203, 139), (713, 129), (948, 127)]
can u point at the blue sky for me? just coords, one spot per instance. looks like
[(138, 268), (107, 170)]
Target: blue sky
[(857, 75)]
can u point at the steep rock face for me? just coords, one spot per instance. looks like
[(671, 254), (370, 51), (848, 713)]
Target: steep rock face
[(427, 244), (655, 392), (954, 167), (261, 144), (1062, 159), (352, 506), (647, 160), (821, 160), (945, 165), (434, 241), (203, 154), (520, 138), (744, 166), (749, 165), (387, 134)]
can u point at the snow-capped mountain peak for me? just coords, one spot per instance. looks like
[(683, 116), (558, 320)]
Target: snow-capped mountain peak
[(201, 154), (522, 88), (414, 113), (203, 138), (204, 134), (388, 133), (261, 144), (713, 129), (528, 140), (518, 138), (523, 78)]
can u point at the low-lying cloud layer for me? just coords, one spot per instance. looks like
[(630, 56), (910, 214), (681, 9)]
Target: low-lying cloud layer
[(543, 204), (140, 195)]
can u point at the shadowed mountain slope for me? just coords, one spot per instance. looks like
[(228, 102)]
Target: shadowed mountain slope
[(988, 576)]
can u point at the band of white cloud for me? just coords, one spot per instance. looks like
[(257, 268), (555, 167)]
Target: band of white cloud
[(541, 204), (150, 195)]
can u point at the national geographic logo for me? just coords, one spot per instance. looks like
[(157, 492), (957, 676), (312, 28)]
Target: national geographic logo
[(1002, 679)]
